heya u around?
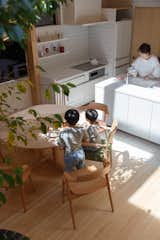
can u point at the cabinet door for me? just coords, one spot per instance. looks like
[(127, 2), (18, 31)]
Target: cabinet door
[(139, 117), (120, 106), (155, 124), (87, 11), (124, 32), (79, 95)]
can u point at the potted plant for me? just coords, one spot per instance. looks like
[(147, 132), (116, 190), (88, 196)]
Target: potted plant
[(16, 19)]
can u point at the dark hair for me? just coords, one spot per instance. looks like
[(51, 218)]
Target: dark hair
[(92, 115), (145, 48), (72, 116)]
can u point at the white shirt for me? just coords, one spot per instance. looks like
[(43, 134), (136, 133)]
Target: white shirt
[(143, 68)]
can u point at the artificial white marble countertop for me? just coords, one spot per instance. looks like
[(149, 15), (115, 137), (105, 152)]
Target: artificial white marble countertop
[(151, 94), (62, 73)]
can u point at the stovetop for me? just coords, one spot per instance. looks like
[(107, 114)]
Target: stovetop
[(87, 66)]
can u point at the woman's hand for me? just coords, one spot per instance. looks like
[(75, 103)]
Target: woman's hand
[(146, 77)]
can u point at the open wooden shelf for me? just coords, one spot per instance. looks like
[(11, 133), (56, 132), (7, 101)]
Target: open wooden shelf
[(54, 55), (50, 41)]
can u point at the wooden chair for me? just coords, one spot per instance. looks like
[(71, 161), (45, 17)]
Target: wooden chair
[(26, 175), (97, 106), (112, 132), (90, 179)]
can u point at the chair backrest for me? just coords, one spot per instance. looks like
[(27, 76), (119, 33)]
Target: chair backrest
[(108, 152), (100, 107), (112, 132)]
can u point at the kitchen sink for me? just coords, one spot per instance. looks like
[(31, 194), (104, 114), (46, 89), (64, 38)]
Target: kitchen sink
[(87, 66)]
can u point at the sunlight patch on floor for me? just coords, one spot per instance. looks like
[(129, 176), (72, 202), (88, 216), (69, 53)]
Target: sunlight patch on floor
[(127, 160), (133, 151), (147, 197)]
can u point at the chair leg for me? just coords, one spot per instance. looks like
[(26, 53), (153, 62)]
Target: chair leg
[(71, 208), (109, 192), (63, 191), (31, 181), (23, 198)]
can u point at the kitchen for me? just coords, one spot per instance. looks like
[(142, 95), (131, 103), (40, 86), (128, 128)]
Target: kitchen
[(90, 44), (85, 53)]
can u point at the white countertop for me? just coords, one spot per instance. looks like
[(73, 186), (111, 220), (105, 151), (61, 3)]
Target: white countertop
[(63, 73), (151, 94)]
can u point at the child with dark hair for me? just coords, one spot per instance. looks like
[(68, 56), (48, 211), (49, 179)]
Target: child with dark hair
[(93, 128), (146, 65), (93, 153), (71, 138)]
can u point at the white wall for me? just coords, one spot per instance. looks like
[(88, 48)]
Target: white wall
[(76, 45), (101, 44)]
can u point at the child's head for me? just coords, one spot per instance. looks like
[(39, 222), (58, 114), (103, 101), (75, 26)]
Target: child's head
[(72, 117), (91, 115), (144, 51)]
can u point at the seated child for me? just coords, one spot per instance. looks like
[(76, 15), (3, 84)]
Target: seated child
[(93, 130), (71, 138)]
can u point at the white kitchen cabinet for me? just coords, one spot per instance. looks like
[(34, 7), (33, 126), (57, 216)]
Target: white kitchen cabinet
[(81, 11), (78, 96), (83, 93), (139, 117), (155, 124), (105, 94), (121, 38), (123, 45), (120, 106)]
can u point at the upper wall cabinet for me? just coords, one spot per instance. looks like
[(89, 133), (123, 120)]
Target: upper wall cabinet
[(81, 12)]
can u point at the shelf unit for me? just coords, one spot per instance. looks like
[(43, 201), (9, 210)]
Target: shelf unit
[(94, 23), (52, 41), (54, 55)]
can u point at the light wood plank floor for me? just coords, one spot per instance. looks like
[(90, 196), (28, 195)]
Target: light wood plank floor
[(135, 181)]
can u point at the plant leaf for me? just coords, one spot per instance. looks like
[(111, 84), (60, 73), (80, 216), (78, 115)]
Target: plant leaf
[(65, 89), (56, 124), (2, 198), (7, 160), (9, 180), (21, 87), (11, 138), (56, 88), (48, 95), (29, 83), (40, 68), (43, 128), (33, 112), (71, 85), (58, 117), (1, 180)]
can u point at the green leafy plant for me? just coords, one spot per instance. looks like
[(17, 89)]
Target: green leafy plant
[(18, 16), (16, 19)]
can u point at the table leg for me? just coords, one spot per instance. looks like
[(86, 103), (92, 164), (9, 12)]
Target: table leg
[(58, 155)]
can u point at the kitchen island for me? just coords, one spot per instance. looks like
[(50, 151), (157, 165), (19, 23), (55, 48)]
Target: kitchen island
[(136, 108)]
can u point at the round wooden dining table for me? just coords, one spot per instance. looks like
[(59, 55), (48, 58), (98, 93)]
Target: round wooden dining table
[(42, 141)]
